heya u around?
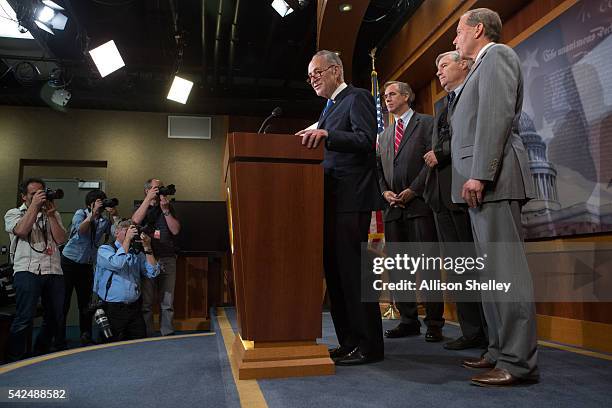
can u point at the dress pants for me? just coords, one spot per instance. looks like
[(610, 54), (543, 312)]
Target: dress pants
[(417, 229), (357, 323), (455, 226), (163, 287), (125, 320), (78, 277), (511, 324)]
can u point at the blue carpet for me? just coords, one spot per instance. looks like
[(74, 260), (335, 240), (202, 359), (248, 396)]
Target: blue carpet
[(421, 374), (176, 372)]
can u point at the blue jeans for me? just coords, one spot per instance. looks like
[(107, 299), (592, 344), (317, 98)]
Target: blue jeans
[(29, 288)]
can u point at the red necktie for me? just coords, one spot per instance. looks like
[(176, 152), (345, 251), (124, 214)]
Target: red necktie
[(399, 134)]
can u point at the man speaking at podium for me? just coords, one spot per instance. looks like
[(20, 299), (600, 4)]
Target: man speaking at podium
[(347, 127)]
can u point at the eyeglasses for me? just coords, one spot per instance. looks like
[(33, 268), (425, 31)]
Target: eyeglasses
[(317, 74)]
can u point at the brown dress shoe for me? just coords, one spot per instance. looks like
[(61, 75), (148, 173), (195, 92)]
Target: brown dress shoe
[(477, 363), (497, 377)]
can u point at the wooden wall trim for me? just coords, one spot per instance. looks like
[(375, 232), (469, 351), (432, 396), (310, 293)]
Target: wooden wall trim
[(579, 333), (554, 13)]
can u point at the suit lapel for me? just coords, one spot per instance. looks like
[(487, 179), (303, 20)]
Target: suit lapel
[(474, 68), (412, 124), (339, 97)]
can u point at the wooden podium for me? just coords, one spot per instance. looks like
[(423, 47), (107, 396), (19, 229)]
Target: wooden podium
[(274, 189)]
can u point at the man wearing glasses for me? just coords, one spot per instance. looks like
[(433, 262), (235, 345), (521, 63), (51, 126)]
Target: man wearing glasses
[(347, 127)]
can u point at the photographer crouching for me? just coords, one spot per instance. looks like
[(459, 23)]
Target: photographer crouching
[(89, 226), (117, 282), (156, 212), (35, 231)]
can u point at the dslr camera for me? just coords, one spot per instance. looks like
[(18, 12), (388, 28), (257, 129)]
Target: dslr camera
[(54, 194), (110, 202), (136, 244), (170, 189)]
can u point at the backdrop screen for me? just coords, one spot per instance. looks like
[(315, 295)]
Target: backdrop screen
[(566, 124)]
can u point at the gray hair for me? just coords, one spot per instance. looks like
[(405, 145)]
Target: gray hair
[(404, 88), (122, 223), (455, 57), (147, 184), (490, 20), (332, 58)]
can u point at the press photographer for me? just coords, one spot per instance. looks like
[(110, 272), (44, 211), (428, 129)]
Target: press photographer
[(157, 212), (35, 231), (117, 281), (90, 226)]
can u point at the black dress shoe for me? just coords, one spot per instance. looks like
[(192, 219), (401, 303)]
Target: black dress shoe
[(356, 357), (339, 352), (463, 343), (403, 330), (434, 334)]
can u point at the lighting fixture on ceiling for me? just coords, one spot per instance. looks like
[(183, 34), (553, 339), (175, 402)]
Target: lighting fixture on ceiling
[(180, 90), (107, 58), (282, 7), (346, 7), (49, 17), (10, 26)]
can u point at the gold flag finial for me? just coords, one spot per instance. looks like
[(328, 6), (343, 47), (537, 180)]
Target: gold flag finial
[(373, 56)]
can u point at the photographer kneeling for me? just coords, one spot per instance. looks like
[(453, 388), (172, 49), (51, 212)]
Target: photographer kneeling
[(117, 280), (89, 225)]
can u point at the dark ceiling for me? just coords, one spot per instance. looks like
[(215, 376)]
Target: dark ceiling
[(242, 56)]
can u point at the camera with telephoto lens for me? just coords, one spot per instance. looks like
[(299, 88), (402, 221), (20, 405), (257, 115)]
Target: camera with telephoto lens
[(170, 189), (51, 194), (110, 203)]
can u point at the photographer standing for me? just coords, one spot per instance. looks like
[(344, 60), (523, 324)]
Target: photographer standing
[(35, 231), (156, 212), (119, 270), (88, 227)]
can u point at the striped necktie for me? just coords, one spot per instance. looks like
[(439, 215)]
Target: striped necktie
[(451, 98), (399, 133)]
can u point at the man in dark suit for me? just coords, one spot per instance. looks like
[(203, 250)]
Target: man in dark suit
[(347, 127), (491, 175), (401, 176), (452, 221)]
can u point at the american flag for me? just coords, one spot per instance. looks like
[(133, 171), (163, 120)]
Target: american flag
[(376, 224)]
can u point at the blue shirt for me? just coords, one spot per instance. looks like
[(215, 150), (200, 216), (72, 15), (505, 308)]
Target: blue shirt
[(82, 248), (129, 268)]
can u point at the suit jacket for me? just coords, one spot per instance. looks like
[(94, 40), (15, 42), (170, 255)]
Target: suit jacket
[(406, 169), (350, 152), (438, 183), (484, 124)]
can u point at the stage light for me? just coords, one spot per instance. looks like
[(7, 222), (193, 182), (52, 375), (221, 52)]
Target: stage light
[(44, 27), (107, 58), (180, 89), (46, 14), (282, 7), (49, 17)]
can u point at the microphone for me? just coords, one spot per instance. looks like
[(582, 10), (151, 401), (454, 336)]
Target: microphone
[(275, 112)]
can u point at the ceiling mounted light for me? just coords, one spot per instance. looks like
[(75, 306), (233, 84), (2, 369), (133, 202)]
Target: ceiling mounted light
[(49, 17), (44, 27), (180, 90), (107, 58), (282, 7), (346, 7), (46, 14)]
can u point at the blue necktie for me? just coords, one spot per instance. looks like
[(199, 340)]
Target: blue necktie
[(327, 106), (451, 98)]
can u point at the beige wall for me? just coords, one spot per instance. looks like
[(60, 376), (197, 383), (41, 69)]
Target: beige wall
[(135, 145)]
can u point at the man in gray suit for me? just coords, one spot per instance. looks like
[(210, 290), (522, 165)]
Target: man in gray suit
[(491, 174)]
